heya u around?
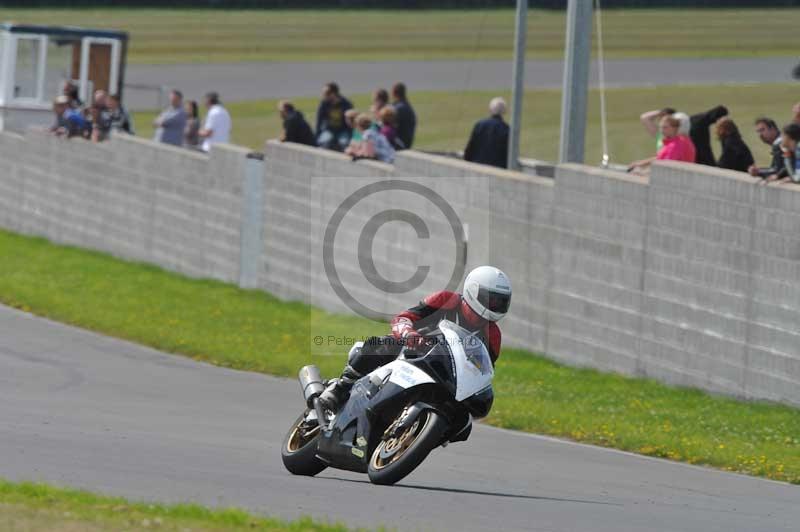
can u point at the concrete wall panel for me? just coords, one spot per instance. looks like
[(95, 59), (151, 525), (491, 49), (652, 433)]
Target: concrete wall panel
[(691, 276)]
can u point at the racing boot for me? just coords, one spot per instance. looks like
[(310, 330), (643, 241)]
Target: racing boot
[(337, 393)]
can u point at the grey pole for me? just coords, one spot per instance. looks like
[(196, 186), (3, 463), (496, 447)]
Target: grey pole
[(577, 55), (518, 81), (252, 240)]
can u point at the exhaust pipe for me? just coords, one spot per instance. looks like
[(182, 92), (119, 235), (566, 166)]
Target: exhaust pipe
[(311, 383)]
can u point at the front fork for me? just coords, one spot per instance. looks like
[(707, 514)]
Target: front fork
[(322, 419), (406, 418)]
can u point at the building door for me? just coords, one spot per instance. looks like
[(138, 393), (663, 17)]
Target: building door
[(98, 66)]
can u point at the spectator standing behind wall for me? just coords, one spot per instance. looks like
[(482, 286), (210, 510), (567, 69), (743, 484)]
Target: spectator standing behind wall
[(677, 147), (295, 127), (217, 127), (700, 135), (99, 118), (373, 144), (406, 118), (791, 151), (120, 119), (98, 123), (380, 99), (332, 132), (355, 138), (70, 90), (69, 122), (685, 127), (735, 153), (651, 120), (191, 131), (172, 121), (488, 143), (768, 132), (388, 120)]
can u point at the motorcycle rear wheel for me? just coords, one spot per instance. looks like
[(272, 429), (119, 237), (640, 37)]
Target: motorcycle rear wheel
[(299, 450), (394, 458)]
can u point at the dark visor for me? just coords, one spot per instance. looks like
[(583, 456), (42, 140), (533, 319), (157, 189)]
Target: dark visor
[(494, 301)]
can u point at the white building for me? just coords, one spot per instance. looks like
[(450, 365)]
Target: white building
[(35, 61)]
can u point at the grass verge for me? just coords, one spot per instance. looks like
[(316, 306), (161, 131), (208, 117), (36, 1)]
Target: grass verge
[(221, 324), (202, 36), (446, 118), (27, 506)]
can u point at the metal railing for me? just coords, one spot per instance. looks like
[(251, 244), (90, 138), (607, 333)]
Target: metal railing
[(158, 95)]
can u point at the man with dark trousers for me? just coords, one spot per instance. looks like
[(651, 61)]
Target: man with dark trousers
[(488, 143), (406, 118)]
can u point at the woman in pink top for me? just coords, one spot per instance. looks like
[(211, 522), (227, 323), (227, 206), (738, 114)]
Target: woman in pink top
[(676, 147)]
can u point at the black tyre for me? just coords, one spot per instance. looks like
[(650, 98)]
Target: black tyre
[(394, 458), (299, 450)]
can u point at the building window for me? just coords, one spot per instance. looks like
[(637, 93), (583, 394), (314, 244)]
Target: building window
[(59, 65), (26, 74)]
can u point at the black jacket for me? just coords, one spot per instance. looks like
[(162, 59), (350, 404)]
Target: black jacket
[(776, 164), (735, 154), (296, 129), (406, 122), (330, 116), (488, 143), (121, 120), (700, 135)]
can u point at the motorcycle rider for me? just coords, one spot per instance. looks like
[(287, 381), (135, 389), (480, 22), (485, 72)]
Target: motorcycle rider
[(486, 298)]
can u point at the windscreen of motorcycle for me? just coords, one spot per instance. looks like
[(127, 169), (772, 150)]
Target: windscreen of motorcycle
[(474, 371)]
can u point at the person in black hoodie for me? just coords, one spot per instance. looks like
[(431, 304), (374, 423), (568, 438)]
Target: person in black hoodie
[(700, 135), (735, 153), (295, 127), (332, 131)]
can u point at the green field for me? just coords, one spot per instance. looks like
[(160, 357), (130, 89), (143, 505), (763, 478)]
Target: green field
[(32, 507), (251, 330), (181, 36), (445, 118)]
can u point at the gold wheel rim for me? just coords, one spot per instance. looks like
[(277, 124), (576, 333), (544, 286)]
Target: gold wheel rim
[(397, 445), (297, 440)]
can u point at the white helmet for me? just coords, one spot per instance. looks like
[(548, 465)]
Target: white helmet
[(487, 291)]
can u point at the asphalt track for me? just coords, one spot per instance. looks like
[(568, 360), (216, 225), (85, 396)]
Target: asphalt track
[(80, 409), (257, 81)]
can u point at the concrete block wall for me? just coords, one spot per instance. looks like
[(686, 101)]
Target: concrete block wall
[(508, 215), (594, 303), (773, 343), (696, 287), (129, 197), (301, 187), (722, 283), (691, 276)]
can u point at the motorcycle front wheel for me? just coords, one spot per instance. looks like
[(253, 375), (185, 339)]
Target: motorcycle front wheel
[(299, 450), (397, 456)]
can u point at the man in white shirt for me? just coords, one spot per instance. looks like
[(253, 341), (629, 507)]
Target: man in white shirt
[(217, 127)]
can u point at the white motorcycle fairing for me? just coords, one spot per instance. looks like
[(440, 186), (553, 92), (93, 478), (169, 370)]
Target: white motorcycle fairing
[(474, 370), (473, 366), (402, 374)]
